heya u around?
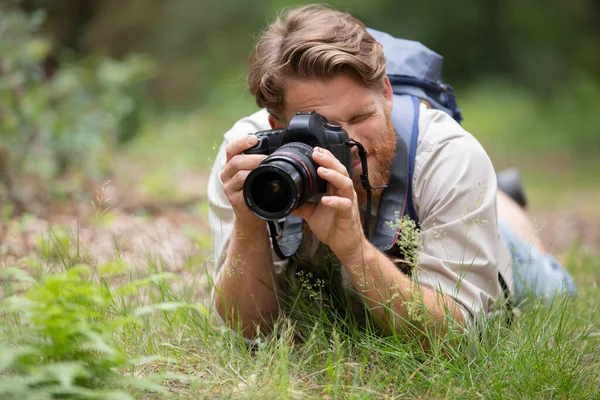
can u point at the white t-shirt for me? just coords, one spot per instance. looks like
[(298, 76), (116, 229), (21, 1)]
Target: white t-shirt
[(454, 194)]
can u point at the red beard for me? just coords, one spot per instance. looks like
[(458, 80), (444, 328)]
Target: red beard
[(381, 153)]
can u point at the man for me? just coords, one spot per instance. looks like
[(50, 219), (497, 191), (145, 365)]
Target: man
[(318, 59)]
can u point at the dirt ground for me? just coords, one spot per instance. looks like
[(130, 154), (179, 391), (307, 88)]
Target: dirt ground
[(176, 236), (560, 230)]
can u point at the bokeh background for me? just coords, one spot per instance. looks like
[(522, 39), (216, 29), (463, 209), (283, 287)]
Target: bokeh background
[(141, 91), (111, 112)]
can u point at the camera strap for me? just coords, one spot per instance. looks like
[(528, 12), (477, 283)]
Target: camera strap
[(285, 250), (282, 251), (364, 181)]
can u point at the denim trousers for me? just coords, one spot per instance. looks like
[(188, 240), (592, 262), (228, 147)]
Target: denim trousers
[(535, 273)]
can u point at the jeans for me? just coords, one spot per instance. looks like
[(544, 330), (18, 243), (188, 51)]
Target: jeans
[(535, 274)]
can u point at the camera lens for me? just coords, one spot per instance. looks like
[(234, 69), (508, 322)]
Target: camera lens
[(271, 191), (282, 182)]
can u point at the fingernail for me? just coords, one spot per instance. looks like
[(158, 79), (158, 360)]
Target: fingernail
[(251, 139)]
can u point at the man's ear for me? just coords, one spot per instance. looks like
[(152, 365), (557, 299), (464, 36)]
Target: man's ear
[(275, 123), (388, 93)]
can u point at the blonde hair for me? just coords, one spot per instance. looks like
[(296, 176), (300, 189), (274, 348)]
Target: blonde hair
[(311, 42)]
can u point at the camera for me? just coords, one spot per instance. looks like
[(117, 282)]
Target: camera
[(288, 178)]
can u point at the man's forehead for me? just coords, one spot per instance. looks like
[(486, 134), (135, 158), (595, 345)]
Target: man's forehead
[(338, 99)]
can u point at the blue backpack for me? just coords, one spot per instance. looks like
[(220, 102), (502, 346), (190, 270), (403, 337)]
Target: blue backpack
[(415, 73)]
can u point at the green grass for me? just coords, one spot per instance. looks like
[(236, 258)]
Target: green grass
[(148, 327)]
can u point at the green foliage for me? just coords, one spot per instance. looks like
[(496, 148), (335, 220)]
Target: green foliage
[(203, 46), (409, 241), (67, 123), (56, 245), (88, 331), (506, 118), (550, 351), (60, 342)]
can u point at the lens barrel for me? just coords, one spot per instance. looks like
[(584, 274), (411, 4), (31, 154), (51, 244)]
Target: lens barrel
[(282, 182)]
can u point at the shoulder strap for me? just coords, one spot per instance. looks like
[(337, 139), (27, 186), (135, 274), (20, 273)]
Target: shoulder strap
[(396, 198), (405, 118), (288, 237)]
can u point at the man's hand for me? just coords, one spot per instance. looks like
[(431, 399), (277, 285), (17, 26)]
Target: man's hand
[(335, 220), (246, 293), (237, 168)]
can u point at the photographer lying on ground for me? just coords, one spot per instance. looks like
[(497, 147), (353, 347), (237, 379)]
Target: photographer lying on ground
[(314, 59)]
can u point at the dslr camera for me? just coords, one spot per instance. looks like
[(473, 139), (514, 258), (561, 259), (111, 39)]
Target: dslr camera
[(288, 178)]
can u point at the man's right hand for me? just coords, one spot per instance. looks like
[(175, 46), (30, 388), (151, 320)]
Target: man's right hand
[(246, 294), (237, 168)]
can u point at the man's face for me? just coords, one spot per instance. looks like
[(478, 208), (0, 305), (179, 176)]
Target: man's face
[(363, 112)]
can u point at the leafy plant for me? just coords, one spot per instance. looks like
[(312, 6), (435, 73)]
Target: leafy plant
[(67, 123), (59, 338)]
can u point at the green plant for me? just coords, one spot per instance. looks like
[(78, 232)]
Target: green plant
[(60, 338), (409, 242), (59, 125)]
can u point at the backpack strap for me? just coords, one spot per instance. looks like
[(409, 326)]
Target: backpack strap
[(396, 199), (405, 118)]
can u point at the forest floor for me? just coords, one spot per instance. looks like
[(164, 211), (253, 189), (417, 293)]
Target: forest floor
[(123, 224)]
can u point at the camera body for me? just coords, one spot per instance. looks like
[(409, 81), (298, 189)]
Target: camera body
[(309, 128), (287, 177)]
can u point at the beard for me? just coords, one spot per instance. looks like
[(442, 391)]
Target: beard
[(381, 153)]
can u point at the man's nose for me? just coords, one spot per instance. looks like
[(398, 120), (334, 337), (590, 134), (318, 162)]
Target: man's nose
[(349, 130)]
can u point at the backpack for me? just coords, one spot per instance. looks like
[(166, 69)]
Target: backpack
[(415, 73)]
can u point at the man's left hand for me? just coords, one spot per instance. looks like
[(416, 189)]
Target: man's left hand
[(335, 220)]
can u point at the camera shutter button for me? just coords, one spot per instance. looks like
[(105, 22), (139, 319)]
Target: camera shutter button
[(333, 127)]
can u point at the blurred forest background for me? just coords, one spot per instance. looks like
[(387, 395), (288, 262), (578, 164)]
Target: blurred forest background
[(141, 91), (111, 112)]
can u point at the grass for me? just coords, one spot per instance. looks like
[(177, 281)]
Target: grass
[(148, 329)]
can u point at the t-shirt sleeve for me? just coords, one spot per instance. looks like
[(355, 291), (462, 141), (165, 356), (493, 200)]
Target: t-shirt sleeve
[(455, 198)]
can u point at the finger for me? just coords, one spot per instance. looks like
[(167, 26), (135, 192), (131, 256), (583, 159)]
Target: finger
[(236, 183), (325, 158), (239, 145), (342, 183), (237, 201), (343, 205), (240, 162)]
